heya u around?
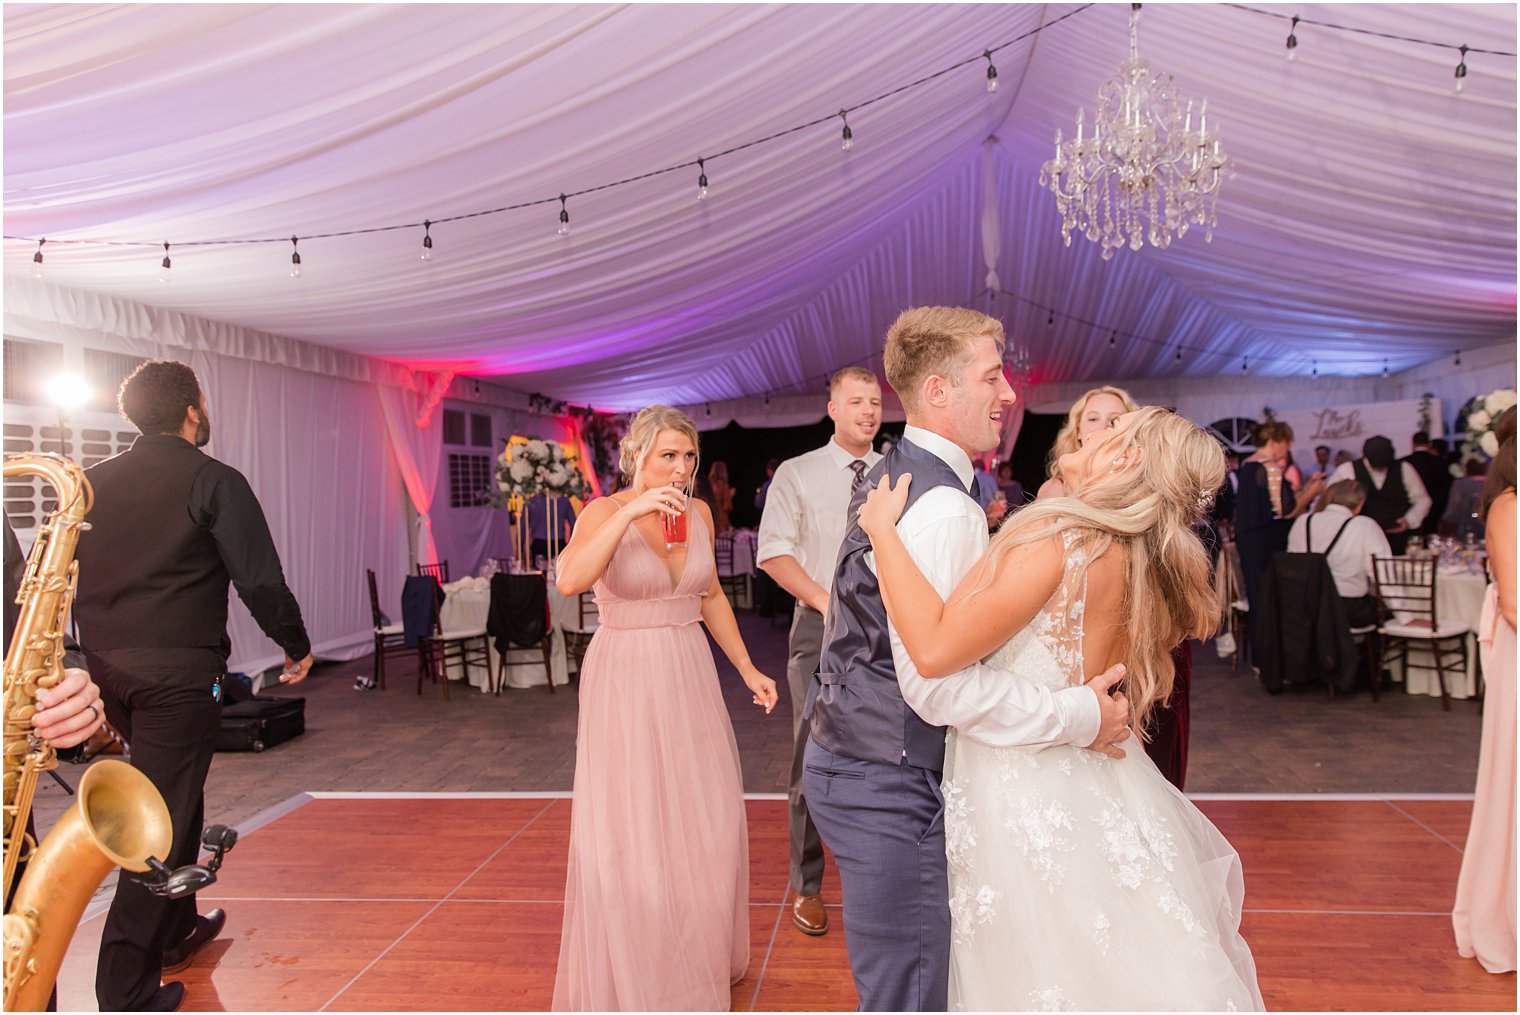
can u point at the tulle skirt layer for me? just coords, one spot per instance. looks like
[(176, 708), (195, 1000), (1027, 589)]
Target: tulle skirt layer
[(1080, 882)]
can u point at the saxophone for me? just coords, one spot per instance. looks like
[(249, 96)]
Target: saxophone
[(119, 818)]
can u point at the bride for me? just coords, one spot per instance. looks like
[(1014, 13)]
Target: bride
[(1081, 881)]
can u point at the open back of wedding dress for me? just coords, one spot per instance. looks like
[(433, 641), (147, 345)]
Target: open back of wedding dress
[(1081, 882)]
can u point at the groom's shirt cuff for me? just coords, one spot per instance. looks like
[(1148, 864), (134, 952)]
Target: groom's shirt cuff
[(946, 533)]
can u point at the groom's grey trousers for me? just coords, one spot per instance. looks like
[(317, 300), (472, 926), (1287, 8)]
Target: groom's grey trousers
[(886, 826)]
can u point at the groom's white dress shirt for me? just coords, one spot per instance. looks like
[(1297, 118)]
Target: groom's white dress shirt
[(946, 533)]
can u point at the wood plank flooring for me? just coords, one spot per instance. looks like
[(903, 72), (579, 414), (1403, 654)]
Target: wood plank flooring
[(453, 903)]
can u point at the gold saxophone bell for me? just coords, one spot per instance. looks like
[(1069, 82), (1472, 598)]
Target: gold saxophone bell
[(119, 818)]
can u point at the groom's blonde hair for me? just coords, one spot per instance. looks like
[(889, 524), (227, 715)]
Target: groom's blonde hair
[(927, 341), (1147, 513)]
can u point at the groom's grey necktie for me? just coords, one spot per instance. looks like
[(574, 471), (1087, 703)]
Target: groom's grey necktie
[(860, 475)]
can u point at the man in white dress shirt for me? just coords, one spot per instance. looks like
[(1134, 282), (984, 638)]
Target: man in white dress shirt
[(872, 768), (1350, 559), (800, 531), (1396, 496)]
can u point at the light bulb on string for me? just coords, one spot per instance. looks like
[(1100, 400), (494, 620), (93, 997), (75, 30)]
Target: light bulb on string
[(1245, 364), (1179, 354), (991, 72), (427, 239), (1461, 71), (564, 217), (1050, 322), (1293, 40), (1385, 366), (165, 265), (295, 259), (1315, 371), (1113, 338), (701, 179), (847, 135), (1459, 358), (37, 259)]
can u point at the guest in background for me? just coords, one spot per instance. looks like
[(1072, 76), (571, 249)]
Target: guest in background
[(1322, 464), (1483, 916), (770, 474), (657, 887), (1095, 410), (1461, 518), (1265, 506), (1292, 474), (1357, 540), (719, 495), (548, 514), (1011, 489), (1343, 458), (986, 482), (766, 589), (1396, 498), (800, 534), (1430, 464)]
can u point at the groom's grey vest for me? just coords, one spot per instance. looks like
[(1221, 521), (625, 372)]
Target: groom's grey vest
[(854, 703)]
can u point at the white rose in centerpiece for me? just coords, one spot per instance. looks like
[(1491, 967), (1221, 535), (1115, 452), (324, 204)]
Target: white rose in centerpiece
[(521, 470), (537, 450), (1478, 420), (1499, 401), (1489, 442)]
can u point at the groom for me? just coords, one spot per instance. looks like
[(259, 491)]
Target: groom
[(872, 767)]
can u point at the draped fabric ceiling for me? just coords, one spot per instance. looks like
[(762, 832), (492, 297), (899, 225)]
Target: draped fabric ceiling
[(1371, 215)]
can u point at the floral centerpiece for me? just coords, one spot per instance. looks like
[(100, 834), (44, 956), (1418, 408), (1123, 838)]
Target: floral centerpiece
[(529, 466), (1477, 417)]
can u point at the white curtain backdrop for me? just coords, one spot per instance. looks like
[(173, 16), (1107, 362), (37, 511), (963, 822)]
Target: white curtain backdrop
[(415, 435)]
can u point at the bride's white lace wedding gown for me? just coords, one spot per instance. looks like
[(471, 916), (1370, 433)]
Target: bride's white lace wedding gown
[(1081, 882)]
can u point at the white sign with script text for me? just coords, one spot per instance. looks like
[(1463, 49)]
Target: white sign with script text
[(1345, 427)]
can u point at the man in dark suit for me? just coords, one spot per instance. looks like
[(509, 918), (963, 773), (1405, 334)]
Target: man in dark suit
[(872, 767), (171, 528), (1434, 473)]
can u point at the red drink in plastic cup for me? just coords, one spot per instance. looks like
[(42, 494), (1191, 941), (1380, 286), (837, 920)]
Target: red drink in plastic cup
[(674, 528)]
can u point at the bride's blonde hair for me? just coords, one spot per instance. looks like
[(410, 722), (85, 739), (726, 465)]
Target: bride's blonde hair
[(1149, 513)]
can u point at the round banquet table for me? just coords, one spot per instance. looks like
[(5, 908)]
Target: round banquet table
[(467, 604)]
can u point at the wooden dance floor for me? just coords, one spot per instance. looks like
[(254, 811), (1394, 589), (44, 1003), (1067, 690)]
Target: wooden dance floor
[(358, 902)]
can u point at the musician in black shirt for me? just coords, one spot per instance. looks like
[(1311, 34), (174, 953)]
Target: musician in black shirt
[(170, 529)]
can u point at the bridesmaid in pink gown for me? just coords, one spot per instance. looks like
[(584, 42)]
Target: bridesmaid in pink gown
[(1484, 914), (656, 895)]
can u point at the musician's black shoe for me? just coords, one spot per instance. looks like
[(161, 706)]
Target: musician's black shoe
[(167, 998), (207, 927)]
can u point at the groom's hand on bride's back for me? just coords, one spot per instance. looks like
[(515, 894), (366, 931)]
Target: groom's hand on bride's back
[(1114, 709)]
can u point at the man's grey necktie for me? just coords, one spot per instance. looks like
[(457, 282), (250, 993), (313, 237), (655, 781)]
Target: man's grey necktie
[(860, 475)]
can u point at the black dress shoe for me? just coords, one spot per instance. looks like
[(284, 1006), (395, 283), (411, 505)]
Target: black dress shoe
[(167, 998), (207, 927)]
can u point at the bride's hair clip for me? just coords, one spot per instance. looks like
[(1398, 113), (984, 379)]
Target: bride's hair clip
[(1205, 499)]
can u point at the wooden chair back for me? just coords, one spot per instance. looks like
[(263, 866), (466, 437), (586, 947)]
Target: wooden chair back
[(439, 570)]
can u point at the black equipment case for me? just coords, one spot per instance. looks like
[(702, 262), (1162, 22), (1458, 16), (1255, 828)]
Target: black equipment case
[(258, 723)]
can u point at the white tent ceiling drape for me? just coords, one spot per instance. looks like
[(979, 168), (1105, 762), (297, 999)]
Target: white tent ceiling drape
[(1371, 216)]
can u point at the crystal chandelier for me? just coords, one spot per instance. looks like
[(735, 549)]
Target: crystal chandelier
[(1144, 173), (1018, 365)]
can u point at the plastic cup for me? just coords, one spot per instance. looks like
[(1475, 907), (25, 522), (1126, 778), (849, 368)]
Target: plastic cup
[(674, 529)]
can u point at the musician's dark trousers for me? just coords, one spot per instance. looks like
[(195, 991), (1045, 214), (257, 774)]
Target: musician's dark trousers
[(886, 827), (163, 704)]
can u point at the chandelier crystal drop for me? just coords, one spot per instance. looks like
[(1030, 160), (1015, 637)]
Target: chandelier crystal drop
[(1018, 365), (1144, 173)]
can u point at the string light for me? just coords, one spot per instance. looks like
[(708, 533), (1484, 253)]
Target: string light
[(1385, 366), (1293, 40), (1315, 371), (295, 259), (37, 259), (164, 265), (564, 217), (847, 134), (1461, 71), (1050, 322), (991, 72), (1245, 364), (1179, 353), (1113, 338), (701, 179), (427, 240), (1459, 358)]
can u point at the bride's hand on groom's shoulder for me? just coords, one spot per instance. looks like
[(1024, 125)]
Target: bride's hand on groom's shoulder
[(1113, 707), (884, 505)]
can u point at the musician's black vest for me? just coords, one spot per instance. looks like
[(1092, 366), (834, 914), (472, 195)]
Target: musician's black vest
[(853, 701)]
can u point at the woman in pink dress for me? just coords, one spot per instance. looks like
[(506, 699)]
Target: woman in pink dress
[(1484, 913), (657, 891)]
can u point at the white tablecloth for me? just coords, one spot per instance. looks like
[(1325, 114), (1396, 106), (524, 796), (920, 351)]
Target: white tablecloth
[(1459, 596), (744, 566), (467, 603)]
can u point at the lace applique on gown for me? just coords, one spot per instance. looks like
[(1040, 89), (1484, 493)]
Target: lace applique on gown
[(1080, 882)]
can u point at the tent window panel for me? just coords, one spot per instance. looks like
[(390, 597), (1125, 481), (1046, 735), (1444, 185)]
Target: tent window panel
[(480, 430), (469, 480), (105, 371), (453, 427), (28, 365)]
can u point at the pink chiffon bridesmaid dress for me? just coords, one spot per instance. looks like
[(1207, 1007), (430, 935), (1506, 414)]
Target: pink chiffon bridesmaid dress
[(1484, 914), (656, 895)]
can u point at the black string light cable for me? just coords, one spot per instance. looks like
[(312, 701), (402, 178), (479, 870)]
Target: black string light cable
[(847, 135)]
